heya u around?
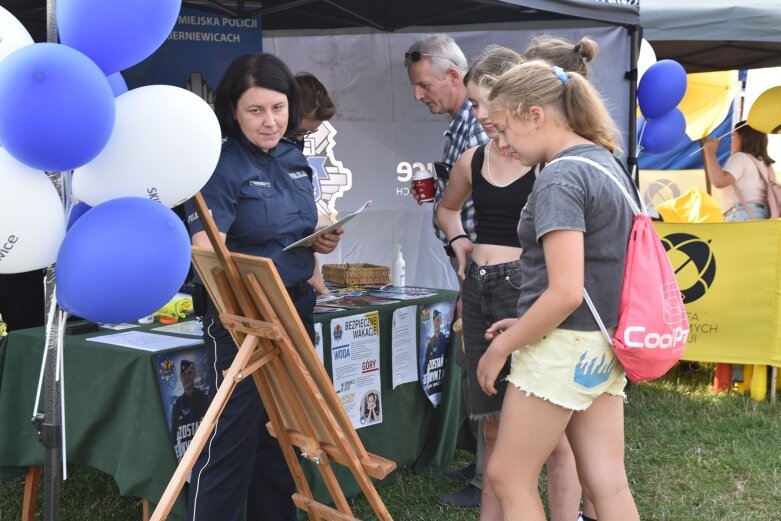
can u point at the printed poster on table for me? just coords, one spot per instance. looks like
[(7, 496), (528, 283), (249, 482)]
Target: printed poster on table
[(435, 323), (355, 363), (185, 379), (404, 355)]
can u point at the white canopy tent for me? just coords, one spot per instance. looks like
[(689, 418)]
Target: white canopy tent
[(714, 35)]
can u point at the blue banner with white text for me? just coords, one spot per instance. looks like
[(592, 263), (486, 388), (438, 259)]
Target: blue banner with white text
[(197, 52)]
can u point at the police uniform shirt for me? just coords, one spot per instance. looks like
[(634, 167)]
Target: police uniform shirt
[(263, 202), (188, 410)]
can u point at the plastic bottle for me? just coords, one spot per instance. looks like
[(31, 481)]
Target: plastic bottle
[(398, 271)]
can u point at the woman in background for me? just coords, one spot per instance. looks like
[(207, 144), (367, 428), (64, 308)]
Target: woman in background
[(558, 51), (744, 173), (316, 105)]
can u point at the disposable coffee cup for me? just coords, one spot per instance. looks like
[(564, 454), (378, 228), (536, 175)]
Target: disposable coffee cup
[(423, 183)]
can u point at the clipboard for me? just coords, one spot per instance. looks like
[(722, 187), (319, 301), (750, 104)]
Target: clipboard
[(309, 239)]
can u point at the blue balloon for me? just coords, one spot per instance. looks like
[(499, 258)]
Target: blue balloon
[(661, 88), (122, 260), (56, 107), (76, 212), (662, 134), (116, 35), (117, 82)]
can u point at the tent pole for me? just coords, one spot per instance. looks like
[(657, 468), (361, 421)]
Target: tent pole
[(49, 424), (708, 187), (631, 75)]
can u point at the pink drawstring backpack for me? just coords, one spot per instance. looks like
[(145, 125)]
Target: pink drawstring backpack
[(652, 323)]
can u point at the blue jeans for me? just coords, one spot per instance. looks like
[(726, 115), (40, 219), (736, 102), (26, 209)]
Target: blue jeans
[(739, 212)]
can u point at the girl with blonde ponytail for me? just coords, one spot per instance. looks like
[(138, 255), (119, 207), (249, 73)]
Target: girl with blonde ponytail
[(573, 230)]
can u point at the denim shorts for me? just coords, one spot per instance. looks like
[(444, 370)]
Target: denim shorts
[(490, 293), (568, 368), (739, 213)]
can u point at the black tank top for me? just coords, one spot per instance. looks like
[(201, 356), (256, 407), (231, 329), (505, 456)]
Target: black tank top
[(497, 210)]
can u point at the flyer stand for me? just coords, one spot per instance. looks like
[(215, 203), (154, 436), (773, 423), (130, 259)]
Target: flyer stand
[(276, 351)]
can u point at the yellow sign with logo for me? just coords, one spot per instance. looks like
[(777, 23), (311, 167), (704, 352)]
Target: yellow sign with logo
[(730, 278), (658, 186)]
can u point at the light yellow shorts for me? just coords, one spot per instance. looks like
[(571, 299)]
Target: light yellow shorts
[(568, 368)]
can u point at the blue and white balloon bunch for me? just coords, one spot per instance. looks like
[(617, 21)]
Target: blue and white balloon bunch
[(134, 155)]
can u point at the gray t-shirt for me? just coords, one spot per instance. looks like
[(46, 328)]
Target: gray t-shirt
[(570, 195)]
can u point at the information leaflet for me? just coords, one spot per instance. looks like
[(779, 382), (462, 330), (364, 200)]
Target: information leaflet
[(355, 361)]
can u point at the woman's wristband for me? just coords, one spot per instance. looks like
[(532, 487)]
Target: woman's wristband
[(454, 239)]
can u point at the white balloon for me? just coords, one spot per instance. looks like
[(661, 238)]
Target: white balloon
[(165, 146), (32, 219), (13, 35), (646, 59)]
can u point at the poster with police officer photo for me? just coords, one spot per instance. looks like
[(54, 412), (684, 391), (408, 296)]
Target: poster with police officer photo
[(435, 323), (184, 379)]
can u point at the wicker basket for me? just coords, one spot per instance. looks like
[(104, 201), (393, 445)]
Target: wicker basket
[(356, 274)]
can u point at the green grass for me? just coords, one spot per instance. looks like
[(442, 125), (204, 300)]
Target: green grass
[(691, 455)]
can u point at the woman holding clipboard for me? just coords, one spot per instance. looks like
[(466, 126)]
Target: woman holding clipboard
[(261, 199)]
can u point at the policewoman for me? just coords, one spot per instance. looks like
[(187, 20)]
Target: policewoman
[(261, 199)]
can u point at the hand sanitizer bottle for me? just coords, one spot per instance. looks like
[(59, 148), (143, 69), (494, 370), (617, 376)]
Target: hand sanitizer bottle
[(398, 271)]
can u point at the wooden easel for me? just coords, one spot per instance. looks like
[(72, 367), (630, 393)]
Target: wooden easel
[(276, 351)]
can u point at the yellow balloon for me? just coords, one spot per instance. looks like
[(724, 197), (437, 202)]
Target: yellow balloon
[(765, 113)]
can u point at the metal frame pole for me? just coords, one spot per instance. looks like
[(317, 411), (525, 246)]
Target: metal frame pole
[(49, 424)]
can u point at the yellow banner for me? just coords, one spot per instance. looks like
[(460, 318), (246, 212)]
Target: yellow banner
[(730, 277)]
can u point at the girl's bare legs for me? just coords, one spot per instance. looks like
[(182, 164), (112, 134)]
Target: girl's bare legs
[(529, 431), (563, 484), (490, 509), (597, 439), (588, 508)]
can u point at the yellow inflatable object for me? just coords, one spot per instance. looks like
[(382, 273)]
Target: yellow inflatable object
[(694, 206), (765, 113), (745, 386), (759, 383), (176, 308)]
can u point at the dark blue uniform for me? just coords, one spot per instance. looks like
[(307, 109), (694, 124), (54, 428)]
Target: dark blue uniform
[(262, 202)]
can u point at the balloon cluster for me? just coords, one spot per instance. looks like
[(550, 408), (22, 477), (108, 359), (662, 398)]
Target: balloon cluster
[(121, 253), (661, 88)]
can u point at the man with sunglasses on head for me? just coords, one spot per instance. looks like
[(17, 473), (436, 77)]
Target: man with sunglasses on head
[(436, 67)]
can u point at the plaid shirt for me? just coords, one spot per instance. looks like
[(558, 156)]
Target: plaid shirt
[(463, 133)]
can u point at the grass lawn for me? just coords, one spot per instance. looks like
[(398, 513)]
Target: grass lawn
[(691, 456)]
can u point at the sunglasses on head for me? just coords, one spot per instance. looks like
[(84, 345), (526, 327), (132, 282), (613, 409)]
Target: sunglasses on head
[(415, 56)]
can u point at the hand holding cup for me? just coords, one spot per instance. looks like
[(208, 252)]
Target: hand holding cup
[(423, 186)]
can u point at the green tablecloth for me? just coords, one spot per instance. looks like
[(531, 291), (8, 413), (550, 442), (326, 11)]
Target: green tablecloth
[(115, 420)]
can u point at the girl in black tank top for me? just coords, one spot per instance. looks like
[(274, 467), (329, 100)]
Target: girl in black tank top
[(498, 207)]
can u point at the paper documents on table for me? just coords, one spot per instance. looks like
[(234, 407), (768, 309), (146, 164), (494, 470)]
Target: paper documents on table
[(309, 239), (145, 341)]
